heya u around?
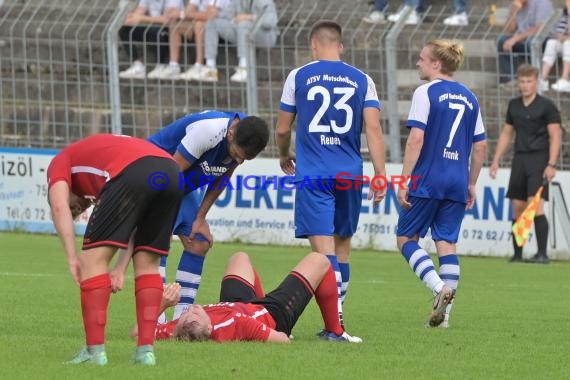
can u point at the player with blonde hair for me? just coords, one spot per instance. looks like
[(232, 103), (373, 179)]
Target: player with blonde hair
[(445, 149)]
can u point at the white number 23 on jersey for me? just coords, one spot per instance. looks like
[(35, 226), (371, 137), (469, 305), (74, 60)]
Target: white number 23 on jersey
[(341, 105)]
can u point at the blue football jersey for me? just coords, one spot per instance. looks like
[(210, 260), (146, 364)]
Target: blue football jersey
[(328, 98), (201, 139), (448, 113)]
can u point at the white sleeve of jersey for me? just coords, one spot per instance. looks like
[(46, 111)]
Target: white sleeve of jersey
[(371, 93), (420, 107), (288, 96), (479, 127), (203, 135)]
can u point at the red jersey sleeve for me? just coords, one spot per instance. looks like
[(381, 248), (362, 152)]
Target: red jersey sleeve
[(59, 169), (165, 331), (248, 328)]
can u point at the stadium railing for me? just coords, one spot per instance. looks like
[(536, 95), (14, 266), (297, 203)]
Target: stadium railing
[(60, 59)]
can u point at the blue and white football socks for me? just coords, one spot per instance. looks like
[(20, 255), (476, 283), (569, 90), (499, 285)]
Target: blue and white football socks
[(345, 278), (422, 265), (189, 276), (449, 272)]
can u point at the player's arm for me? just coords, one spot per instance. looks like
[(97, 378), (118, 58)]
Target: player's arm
[(414, 146), (170, 296), (213, 192), (59, 198), (251, 329), (477, 158), (183, 162), (277, 337), (283, 131), (503, 144), (376, 147), (285, 118), (283, 137), (117, 274)]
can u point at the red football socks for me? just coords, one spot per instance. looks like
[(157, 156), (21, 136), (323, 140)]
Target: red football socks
[(148, 293), (95, 294), (326, 296)]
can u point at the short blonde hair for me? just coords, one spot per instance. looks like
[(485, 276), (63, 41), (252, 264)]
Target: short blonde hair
[(449, 52), (192, 331)]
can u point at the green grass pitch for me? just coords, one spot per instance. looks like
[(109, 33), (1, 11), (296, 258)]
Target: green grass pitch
[(509, 321)]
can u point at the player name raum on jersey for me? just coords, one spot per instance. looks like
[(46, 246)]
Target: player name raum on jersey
[(330, 140)]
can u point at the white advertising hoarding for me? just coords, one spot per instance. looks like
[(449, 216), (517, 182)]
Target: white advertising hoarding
[(261, 211)]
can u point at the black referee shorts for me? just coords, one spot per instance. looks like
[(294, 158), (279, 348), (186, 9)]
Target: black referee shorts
[(128, 203), (526, 175)]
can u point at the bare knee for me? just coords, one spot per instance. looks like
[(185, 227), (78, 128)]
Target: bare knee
[(239, 257), (401, 240)]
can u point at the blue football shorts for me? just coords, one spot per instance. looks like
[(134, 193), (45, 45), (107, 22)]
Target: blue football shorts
[(442, 216), (187, 212), (322, 209)]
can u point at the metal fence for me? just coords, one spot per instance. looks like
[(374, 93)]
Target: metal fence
[(60, 60)]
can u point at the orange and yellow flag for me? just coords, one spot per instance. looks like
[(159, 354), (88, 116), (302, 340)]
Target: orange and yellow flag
[(523, 225)]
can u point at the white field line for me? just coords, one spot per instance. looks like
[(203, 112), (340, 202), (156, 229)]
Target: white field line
[(16, 274)]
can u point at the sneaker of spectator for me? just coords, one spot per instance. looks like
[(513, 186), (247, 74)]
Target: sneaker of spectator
[(561, 85), (413, 18), (157, 71), (193, 72), (207, 74), (459, 19), (136, 71), (240, 75), (170, 71), (376, 17)]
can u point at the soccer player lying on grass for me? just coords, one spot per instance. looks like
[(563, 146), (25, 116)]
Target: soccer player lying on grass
[(245, 313)]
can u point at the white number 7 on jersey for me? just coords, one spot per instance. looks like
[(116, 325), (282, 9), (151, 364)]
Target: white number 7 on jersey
[(461, 109)]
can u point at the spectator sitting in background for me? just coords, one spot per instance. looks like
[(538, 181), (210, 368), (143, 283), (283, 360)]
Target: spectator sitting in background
[(558, 43), (158, 12), (197, 14), (525, 19), (233, 25), (377, 16)]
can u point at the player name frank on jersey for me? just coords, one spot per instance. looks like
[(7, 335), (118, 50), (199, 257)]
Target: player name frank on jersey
[(332, 78), (450, 155)]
